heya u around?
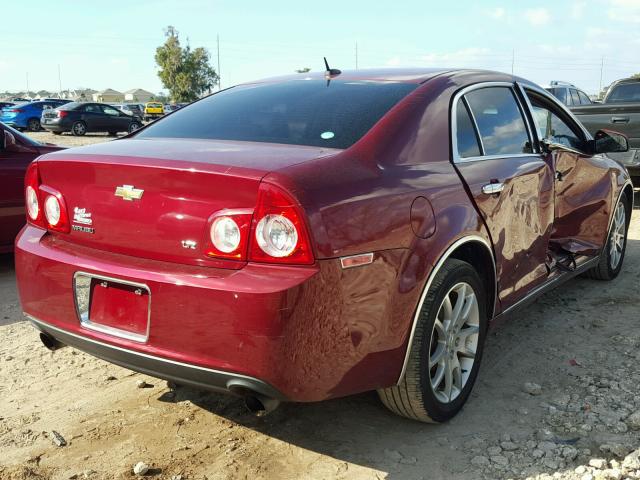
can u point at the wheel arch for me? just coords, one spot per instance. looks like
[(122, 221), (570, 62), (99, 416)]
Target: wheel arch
[(478, 252)]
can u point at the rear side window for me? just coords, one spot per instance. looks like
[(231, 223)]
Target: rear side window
[(298, 112), (584, 99), (575, 100), (499, 120), (466, 133)]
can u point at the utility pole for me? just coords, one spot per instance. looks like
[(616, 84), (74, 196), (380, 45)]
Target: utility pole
[(27, 83), (219, 77), (59, 82), (356, 55), (513, 59), (601, 69)]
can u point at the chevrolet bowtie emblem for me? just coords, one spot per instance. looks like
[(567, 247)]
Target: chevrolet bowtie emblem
[(127, 192)]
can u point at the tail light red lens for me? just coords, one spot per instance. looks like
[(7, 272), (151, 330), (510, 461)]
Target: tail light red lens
[(62, 113), (35, 215), (46, 207), (279, 233), (15, 110)]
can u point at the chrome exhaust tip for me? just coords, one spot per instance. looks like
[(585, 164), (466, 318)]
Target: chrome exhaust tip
[(50, 342), (261, 405)]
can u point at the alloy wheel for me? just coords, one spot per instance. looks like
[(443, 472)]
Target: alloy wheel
[(454, 342), (79, 129), (616, 242)]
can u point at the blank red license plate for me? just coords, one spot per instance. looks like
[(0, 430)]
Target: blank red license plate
[(118, 307)]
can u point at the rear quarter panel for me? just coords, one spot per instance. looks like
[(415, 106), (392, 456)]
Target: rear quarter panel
[(359, 201)]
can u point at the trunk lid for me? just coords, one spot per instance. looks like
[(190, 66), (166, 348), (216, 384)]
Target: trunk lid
[(180, 184)]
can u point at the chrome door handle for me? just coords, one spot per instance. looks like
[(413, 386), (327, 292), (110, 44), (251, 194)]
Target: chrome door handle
[(619, 119), (492, 188)]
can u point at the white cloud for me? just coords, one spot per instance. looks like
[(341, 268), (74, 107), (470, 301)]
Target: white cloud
[(393, 62), (577, 9), (457, 58), (627, 11), (537, 16), (498, 13)]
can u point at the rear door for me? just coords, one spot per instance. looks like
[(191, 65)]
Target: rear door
[(583, 182), (511, 184)]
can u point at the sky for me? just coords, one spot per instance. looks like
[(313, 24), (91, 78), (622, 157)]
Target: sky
[(112, 45)]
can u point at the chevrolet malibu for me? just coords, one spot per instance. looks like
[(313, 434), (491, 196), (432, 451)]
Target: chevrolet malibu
[(310, 237)]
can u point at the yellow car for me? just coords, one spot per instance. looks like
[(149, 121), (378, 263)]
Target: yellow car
[(153, 110)]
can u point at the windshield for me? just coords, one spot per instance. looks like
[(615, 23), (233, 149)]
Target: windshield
[(299, 112), (625, 92)]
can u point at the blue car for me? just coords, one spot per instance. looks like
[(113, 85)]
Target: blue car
[(27, 115)]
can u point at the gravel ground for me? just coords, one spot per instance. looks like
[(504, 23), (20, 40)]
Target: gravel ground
[(68, 140), (558, 396)]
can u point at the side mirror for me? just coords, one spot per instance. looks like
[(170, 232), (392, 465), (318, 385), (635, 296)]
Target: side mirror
[(608, 141)]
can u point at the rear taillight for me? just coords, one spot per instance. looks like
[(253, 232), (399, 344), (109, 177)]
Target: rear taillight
[(62, 113), (55, 209), (15, 110), (228, 234), (278, 231), (273, 232), (35, 215), (46, 207)]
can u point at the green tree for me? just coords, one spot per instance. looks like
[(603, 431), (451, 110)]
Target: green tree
[(186, 73)]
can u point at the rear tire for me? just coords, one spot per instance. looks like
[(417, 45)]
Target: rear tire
[(78, 129), (33, 125), (446, 348), (134, 126), (612, 255)]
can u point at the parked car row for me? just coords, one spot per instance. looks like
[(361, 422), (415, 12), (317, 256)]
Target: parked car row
[(26, 116), (356, 231), (619, 110)]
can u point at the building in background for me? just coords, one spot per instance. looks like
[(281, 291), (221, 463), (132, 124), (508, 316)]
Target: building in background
[(138, 95), (108, 95)]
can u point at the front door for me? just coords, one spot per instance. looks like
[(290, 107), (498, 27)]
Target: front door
[(583, 184), (512, 186)]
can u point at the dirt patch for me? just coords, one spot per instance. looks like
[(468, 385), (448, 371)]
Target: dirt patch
[(580, 344), (68, 140)]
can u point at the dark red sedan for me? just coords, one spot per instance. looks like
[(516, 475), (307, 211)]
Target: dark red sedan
[(16, 153), (310, 237)]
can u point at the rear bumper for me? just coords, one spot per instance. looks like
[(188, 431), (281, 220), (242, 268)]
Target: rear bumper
[(179, 372), (299, 333)]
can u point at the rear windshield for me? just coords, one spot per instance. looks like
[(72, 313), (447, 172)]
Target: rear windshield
[(299, 112), (625, 92)]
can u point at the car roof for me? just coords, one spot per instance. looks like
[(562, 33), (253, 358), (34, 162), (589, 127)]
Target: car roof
[(403, 75)]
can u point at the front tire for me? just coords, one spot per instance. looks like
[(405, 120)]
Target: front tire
[(613, 252), (78, 129), (134, 126), (446, 348)]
